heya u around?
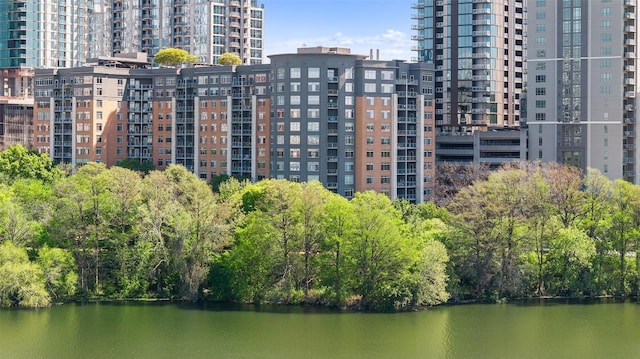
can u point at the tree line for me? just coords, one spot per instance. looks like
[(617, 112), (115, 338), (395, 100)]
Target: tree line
[(528, 229)]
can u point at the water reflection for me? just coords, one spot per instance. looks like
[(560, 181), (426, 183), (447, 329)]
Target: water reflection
[(166, 330)]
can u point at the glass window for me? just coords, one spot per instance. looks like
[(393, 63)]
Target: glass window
[(313, 73)]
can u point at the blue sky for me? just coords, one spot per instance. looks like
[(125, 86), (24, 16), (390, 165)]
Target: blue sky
[(358, 24)]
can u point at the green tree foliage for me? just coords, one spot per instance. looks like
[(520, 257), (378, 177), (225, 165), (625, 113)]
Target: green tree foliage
[(527, 229), (16, 223), (173, 57), (229, 58), (17, 162), (556, 231), (143, 166), (60, 274), (22, 283), (302, 243)]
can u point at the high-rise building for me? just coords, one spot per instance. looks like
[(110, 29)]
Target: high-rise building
[(353, 124), (321, 114), (582, 85), (51, 34), (43, 33), (206, 29), (478, 49)]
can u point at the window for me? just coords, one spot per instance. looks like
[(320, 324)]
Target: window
[(348, 140), (541, 91), (348, 166), (313, 100), (387, 75), (348, 73), (385, 166), (348, 179), (295, 100), (294, 73), (369, 87), (313, 140), (313, 126), (385, 154), (370, 74), (348, 100), (313, 72), (313, 166), (370, 140), (385, 179), (541, 78)]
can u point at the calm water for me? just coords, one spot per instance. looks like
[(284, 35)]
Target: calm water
[(470, 331)]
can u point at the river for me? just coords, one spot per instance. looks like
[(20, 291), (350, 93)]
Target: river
[(152, 330)]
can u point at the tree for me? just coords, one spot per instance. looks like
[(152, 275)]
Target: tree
[(452, 177), (229, 58), (16, 225), (623, 228), (82, 219), (17, 162), (598, 190), (173, 57), (569, 260), (144, 166), (159, 213), (333, 260), (379, 253), (59, 269), (202, 227), (21, 282)]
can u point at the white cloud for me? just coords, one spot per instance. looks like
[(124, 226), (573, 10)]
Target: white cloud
[(393, 44)]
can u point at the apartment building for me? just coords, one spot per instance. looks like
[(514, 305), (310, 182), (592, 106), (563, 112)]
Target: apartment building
[(211, 119), (582, 83), (478, 49), (206, 29), (353, 124), (320, 114)]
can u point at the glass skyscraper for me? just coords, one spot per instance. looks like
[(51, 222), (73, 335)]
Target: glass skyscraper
[(478, 49), (43, 33)]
